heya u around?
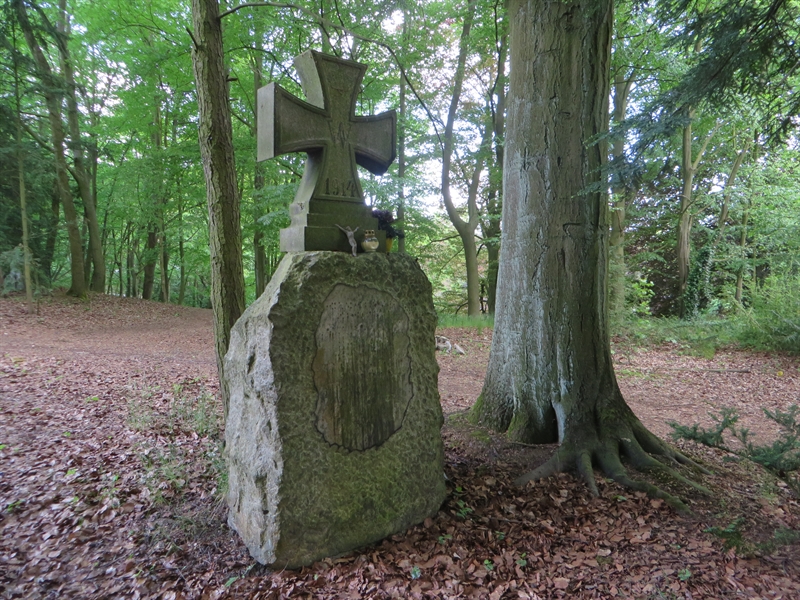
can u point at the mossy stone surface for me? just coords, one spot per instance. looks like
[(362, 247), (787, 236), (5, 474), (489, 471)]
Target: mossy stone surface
[(333, 430)]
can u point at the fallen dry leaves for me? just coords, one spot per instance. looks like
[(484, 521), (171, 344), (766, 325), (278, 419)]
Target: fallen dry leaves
[(110, 454)]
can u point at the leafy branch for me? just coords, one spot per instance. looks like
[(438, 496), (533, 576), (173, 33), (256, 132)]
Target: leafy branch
[(781, 458), (330, 24)]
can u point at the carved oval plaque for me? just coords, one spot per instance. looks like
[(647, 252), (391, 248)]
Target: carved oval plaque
[(362, 367)]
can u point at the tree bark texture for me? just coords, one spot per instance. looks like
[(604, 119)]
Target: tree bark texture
[(53, 101), (216, 150), (550, 375)]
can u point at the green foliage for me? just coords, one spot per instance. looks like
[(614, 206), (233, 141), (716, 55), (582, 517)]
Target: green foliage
[(781, 458), (466, 322), (463, 510), (11, 264), (732, 534), (698, 292), (773, 320), (638, 295)]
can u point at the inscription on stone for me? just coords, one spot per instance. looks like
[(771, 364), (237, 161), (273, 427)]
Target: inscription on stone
[(362, 367)]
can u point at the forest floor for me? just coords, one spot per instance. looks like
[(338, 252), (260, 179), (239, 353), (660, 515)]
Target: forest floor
[(110, 454)]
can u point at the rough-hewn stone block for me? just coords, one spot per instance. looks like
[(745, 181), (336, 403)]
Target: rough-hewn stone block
[(333, 430)]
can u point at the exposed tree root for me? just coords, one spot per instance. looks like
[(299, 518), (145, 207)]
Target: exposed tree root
[(636, 444)]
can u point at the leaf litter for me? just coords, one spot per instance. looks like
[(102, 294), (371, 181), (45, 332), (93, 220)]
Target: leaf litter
[(111, 474)]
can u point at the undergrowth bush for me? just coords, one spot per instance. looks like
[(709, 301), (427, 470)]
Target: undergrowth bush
[(782, 457), (773, 320)]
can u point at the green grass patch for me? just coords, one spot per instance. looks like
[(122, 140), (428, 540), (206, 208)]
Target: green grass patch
[(480, 322)]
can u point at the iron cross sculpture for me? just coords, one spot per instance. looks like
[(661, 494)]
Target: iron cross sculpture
[(335, 140)]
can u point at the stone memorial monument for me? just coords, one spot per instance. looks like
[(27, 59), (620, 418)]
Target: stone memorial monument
[(333, 428)]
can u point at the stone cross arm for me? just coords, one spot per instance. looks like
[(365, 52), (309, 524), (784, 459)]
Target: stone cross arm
[(326, 128)]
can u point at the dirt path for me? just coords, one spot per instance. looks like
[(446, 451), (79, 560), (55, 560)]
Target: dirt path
[(110, 457)]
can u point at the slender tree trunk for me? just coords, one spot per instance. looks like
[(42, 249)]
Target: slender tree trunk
[(689, 168), (685, 215), (622, 87), (130, 271), (23, 200), (260, 262), (742, 249), (78, 161), (491, 228), (182, 257), (726, 192), (401, 160), (151, 255), (164, 260), (53, 102), (550, 375), (466, 229), (216, 150), (46, 262), (401, 143), (259, 255), (26, 251)]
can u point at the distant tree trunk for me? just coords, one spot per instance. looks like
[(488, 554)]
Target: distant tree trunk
[(164, 260), (622, 88), (401, 142), (550, 375), (466, 229), (50, 87), (216, 150), (130, 286), (689, 166), (26, 251), (259, 255), (685, 215), (726, 192), (260, 262), (401, 162), (182, 258), (742, 249), (150, 254), (494, 205), (78, 162), (46, 261)]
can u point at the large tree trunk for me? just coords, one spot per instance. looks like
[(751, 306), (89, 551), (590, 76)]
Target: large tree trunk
[(550, 376), (50, 86), (216, 150)]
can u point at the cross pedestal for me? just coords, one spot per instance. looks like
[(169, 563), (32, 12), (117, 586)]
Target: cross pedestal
[(335, 140)]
